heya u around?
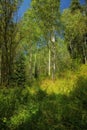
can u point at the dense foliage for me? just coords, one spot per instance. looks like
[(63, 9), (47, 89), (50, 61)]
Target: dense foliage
[(36, 109), (43, 66)]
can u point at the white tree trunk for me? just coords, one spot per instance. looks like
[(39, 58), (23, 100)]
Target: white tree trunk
[(49, 65), (54, 55), (35, 56)]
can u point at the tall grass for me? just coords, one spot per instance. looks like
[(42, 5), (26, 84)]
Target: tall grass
[(59, 105)]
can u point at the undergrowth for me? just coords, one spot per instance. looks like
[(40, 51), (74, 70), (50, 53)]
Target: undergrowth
[(54, 105)]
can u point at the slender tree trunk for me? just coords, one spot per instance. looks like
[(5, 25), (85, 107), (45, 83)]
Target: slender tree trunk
[(11, 70), (34, 61), (85, 51), (7, 66), (30, 66), (2, 68), (54, 65), (54, 56), (49, 63), (35, 67), (6, 57)]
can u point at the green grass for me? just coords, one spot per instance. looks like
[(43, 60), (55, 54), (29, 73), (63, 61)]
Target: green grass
[(49, 105), (64, 84)]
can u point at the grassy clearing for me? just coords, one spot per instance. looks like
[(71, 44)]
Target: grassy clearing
[(64, 84)]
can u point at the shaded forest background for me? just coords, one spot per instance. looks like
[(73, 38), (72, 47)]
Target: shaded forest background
[(43, 66)]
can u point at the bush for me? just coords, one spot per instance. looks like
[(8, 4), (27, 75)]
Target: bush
[(22, 109)]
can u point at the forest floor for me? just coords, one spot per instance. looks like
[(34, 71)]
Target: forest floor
[(48, 105), (64, 84)]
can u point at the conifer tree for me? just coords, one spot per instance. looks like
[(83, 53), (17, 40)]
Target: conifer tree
[(75, 5), (20, 73)]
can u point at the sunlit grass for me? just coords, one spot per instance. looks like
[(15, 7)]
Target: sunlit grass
[(64, 84), (43, 103)]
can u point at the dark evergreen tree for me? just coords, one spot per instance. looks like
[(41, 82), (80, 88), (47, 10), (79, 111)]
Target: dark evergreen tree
[(75, 5), (20, 72)]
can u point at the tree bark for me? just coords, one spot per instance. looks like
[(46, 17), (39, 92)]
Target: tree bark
[(54, 55), (49, 63)]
